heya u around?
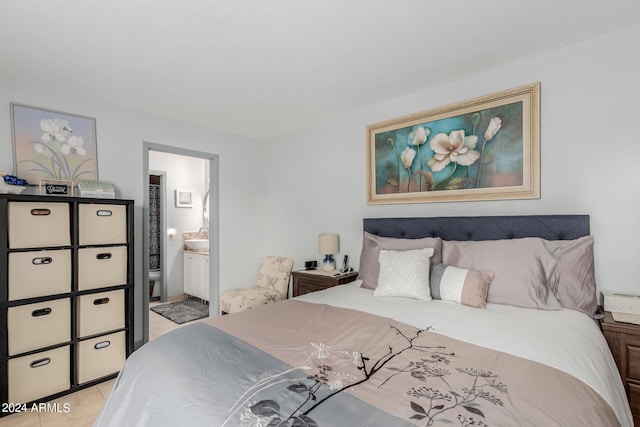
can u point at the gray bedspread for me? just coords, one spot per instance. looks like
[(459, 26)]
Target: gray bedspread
[(201, 376), (300, 364)]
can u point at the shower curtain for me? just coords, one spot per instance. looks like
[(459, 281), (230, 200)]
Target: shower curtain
[(154, 227)]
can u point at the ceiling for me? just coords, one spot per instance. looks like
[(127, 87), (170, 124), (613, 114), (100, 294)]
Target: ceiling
[(267, 68)]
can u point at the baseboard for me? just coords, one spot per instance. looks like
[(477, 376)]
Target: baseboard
[(178, 297)]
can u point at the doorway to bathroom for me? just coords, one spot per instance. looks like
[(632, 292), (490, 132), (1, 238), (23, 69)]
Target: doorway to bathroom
[(180, 236)]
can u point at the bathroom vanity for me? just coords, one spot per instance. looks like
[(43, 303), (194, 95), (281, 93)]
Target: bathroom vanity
[(195, 255), (196, 274)]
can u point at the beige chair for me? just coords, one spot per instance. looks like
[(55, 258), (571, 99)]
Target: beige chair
[(272, 286)]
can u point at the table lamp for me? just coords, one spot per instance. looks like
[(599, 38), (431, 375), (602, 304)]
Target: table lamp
[(328, 245)]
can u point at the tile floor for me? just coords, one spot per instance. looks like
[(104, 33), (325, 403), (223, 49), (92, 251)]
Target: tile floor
[(84, 405)]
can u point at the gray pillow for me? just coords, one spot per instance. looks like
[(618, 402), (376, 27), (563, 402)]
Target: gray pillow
[(524, 269), (372, 244), (576, 284)]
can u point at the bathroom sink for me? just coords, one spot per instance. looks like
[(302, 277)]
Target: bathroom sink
[(197, 244)]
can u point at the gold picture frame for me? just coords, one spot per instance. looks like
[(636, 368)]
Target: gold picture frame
[(487, 148)]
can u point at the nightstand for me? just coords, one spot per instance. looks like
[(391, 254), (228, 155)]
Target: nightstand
[(624, 342), (306, 281)]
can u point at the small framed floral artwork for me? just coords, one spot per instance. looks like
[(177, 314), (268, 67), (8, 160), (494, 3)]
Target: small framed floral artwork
[(486, 148), (51, 145)]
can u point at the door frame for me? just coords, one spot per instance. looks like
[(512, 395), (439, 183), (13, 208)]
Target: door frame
[(214, 203)]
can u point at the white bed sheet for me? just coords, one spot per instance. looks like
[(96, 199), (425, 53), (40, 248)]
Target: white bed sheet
[(565, 339)]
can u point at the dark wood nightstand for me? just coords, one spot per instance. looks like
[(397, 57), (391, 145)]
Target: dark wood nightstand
[(624, 342), (306, 281)]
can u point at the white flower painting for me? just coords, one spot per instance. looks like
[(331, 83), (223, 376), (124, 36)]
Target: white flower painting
[(482, 149), (52, 145)]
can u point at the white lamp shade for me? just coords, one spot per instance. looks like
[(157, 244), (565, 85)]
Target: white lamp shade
[(328, 244)]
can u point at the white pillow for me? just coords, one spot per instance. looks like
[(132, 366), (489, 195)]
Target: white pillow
[(404, 274)]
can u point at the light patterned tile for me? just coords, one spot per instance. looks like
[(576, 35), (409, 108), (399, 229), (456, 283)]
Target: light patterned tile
[(158, 325), (21, 419), (163, 329), (82, 407), (106, 387)]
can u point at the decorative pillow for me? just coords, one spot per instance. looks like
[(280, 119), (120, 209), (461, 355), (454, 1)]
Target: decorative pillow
[(576, 284), (404, 274), (524, 269), (372, 244), (468, 287)]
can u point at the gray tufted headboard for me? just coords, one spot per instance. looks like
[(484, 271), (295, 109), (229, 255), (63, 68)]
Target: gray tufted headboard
[(550, 227)]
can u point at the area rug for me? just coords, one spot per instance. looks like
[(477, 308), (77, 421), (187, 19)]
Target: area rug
[(183, 311)]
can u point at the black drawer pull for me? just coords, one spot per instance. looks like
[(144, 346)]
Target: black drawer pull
[(40, 212), (104, 212), (100, 301), (41, 312), (104, 255), (40, 362), (42, 260), (101, 345)]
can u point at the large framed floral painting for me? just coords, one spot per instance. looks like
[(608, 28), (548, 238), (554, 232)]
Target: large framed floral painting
[(53, 145), (486, 148)]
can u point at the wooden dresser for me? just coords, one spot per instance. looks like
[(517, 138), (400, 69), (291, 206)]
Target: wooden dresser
[(66, 294), (624, 342)]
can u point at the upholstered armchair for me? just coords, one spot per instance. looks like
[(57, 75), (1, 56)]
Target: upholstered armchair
[(271, 286)]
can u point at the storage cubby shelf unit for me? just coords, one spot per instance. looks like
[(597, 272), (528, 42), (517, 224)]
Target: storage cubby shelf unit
[(66, 294)]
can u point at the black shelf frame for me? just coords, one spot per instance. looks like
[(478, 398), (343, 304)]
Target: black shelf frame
[(5, 304)]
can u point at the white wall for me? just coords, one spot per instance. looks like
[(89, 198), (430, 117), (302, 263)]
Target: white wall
[(290, 190), (183, 173), (120, 135), (589, 148)]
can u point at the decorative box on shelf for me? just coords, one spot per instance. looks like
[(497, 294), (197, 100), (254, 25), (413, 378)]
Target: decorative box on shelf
[(99, 189), (55, 187), (623, 308)]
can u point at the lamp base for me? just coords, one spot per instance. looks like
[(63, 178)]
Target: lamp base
[(328, 264)]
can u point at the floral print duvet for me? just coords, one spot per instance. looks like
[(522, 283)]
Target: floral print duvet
[(300, 364)]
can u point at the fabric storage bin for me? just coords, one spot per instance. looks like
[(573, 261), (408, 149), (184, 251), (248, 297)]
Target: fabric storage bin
[(41, 224), (38, 325), (100, 312), (38, 375), (102, 224), (101, 356), (39, 273), (101, 267)]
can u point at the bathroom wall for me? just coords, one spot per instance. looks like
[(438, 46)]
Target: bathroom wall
[(183, 173)]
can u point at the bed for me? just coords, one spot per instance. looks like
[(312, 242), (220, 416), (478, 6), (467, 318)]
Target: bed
[(505, 333)]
